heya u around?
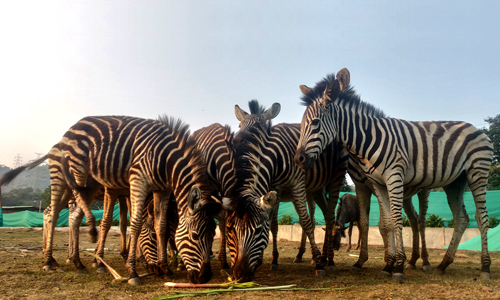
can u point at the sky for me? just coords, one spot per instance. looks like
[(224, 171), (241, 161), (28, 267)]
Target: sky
[(63, 60)]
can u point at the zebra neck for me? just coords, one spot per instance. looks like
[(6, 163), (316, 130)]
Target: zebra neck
[(354, 130)]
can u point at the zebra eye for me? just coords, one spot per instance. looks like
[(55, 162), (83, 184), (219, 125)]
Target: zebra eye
[(194, 236)]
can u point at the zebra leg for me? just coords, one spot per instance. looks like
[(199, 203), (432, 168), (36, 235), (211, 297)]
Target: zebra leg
[(329, 214), (386, 231), (302, 248), (454, 193), (124, 204), (412, 218), (396, 190), (138, 195), (312, 211), (223, 241), (72, 207), (161, 201), (107, 218), (75, 219), (423, 199), (58, 199), (363, 193), (299, 201), (274, 231)]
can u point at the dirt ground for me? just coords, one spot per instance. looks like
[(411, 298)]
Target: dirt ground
[(21, 275)]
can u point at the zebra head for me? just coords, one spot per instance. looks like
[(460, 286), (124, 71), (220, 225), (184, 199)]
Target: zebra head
[(195, 235), (319, 125), (258, 114), (248, 235)]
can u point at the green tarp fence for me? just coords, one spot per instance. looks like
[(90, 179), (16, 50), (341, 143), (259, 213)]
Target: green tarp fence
[(437, 205), (34, 219)]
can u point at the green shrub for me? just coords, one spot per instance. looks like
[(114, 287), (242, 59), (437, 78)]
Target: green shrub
[(406, 222), (451, 224), (285, 220), (434, 221), (493, 222)]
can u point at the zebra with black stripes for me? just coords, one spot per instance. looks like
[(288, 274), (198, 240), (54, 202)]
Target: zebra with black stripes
[(268, 153), (400, 158), (215, 144), (143, 156), (316, 179)]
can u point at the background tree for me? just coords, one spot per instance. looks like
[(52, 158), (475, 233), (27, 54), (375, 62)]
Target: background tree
[(345, 187), (493, 133)]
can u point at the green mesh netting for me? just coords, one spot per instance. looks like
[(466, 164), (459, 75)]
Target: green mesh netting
[(34, 219), (437, 205)]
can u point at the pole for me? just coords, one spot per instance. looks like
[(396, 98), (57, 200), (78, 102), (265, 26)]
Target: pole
[(1, 212)]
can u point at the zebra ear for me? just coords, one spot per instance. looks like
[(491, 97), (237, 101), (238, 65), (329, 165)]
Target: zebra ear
[(331, 93), (240, 113), (268, 200), (194, 198), (271, 112), (305, 89), (344, 78)]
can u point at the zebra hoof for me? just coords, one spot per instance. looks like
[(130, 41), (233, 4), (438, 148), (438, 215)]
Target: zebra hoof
[(427, 268), (274, 267), (101, 270), (438, 272), (355, 270), (47, 268), (398, 276), (297, 260), (485, 276), (320, 273), (384, 274), (134, 281), (411, 266), (331, 268)]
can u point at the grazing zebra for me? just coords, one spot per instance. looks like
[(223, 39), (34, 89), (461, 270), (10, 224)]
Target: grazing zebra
[(215, 144), (270, 154), (143, 156), (316, 179), (400, 158)]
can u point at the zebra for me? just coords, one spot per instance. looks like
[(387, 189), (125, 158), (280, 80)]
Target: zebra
[(400, 158), (315, 179), (215, 144), (143, 156), (270, 153)]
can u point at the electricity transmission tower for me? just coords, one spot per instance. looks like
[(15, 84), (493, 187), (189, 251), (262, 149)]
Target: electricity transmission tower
[(34, 180), (18, 161)]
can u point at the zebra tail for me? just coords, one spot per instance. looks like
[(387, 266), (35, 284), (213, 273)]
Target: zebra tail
[(9, 176), (70, 179)]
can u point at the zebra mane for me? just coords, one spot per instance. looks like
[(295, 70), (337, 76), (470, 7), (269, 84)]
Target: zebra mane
[(347, 97), (246, 164), (255, 108), (175, 124), (196, 162)]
